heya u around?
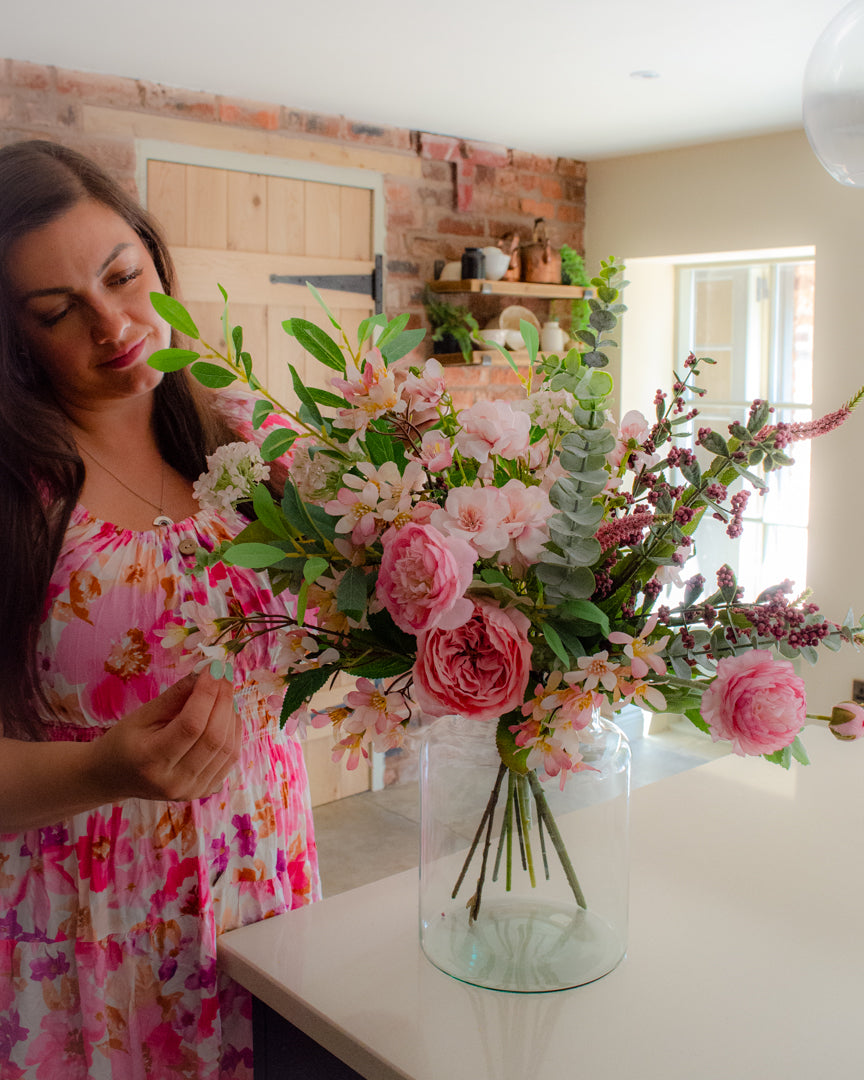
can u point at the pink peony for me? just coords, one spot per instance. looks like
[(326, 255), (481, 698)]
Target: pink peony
[(479, 670), (847, 720), (493, 427), (423, 578), (756, 702)]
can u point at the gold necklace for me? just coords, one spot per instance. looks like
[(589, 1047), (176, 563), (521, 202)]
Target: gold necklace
[(161, 518)]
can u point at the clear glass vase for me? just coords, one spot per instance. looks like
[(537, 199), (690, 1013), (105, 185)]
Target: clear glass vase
[(536, 898)]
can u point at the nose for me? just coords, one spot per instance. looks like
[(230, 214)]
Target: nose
[(108, 321)]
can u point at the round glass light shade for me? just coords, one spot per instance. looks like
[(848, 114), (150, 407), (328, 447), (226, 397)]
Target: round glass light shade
[(834, 96)]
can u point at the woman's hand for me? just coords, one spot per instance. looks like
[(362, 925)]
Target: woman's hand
[(179, 746)]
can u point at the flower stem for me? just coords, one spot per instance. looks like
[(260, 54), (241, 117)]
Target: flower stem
[(524, 804), (556, 838), (487, 816)]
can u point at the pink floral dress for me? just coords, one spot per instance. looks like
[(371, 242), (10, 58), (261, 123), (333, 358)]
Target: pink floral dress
[(109, 919)]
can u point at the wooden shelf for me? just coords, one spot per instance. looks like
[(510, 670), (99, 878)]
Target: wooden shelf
[(511, 288), (482, 358)]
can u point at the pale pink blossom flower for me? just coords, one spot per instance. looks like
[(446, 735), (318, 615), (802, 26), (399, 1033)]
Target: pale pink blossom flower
[(643, 655), (476, 515), (529, 509), (436, 452), (757, 702), (356, 509), (633, 427), (401, 490), (493, 427), (593, 671), (424, 392), (371, 391), (375, 715)]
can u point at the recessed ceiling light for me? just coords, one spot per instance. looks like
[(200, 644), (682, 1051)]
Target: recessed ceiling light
[(645, 73)]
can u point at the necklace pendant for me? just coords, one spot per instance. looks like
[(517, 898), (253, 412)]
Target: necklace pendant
[(161, 520)]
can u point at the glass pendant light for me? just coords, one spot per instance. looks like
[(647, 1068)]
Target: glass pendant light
[(834, 96)]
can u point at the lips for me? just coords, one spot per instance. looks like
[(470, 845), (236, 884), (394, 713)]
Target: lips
[(125, 359)]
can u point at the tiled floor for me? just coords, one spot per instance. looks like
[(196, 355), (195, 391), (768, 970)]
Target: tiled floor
[(366, 837)]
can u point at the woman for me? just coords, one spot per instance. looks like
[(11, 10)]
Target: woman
[(143, 810)]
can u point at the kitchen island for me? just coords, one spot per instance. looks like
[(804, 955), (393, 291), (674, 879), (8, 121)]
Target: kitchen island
[(745, 962)]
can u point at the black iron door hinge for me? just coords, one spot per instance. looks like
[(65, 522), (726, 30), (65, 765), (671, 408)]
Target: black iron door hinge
[(366, 284)]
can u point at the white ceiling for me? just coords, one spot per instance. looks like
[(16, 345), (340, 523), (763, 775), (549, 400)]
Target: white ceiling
[(547, 76)]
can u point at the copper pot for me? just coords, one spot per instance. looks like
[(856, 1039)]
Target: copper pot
[(540, 262)]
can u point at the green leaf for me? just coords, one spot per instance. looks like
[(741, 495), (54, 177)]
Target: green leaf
[(352, 592), (381, 447), (507, 356), (212, 375), (695, 718), (714, 443), (324, 397), (237, 338), (267, 512), (313, 568), (585, 609), (783, 757), (172, 359), (318, 343), (495, 577), (798, 751), (402, 344), (253, 556), (260, 412), (531, 337), (302, 686), (393, 329), (277, 443), (513, 756), (304, 395), (384, 668), (173, 312), (554, 641), (364, 330), (320, 300)]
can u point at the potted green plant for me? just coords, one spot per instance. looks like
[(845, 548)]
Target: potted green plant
[(452, 326)]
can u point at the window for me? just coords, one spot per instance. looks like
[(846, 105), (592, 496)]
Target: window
[(755, 318)]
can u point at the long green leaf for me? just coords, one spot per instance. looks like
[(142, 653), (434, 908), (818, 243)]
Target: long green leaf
[(212, 375), (321, 304), (267, 512), (173, 312), (302, 686), (402, 344), (352, 592), (318, 343), (172, 359), (277, 443), (304, 395), (253, 556), (554, 641)]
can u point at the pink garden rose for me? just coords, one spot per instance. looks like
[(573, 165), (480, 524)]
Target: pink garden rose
[(423, 578), (756, 701), (479, 670)]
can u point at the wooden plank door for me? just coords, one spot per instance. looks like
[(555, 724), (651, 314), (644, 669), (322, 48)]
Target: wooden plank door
[(236, 229)]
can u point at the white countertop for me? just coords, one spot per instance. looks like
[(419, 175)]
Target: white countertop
[(746, 957)]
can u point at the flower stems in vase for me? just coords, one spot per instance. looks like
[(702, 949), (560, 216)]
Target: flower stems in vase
[(521, 789)]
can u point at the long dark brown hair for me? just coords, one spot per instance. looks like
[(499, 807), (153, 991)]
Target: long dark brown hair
[(41, 472)]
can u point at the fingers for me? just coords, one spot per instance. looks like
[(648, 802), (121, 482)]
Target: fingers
[(210, 735)]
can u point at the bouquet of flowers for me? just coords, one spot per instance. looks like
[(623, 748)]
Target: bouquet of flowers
[(505, 561)]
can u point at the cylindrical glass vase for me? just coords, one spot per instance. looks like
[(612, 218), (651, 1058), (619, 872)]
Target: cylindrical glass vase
[(523, 882)]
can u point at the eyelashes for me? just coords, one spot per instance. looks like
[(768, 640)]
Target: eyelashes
[(119, 281)]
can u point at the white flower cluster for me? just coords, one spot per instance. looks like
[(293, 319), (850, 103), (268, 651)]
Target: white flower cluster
[(232, 473), (550, 409)]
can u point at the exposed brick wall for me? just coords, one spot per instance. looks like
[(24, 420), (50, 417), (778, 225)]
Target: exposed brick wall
[(468, 193)]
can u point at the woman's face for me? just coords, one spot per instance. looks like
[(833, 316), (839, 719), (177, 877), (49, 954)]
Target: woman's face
[(82, 287)]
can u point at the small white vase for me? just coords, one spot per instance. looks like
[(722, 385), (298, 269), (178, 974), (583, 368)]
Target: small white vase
[(552, 338)]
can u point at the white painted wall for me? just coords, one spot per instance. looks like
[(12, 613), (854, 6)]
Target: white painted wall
[(757, 193)]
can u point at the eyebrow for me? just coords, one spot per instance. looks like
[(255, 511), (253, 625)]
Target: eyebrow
[(60, 290)]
